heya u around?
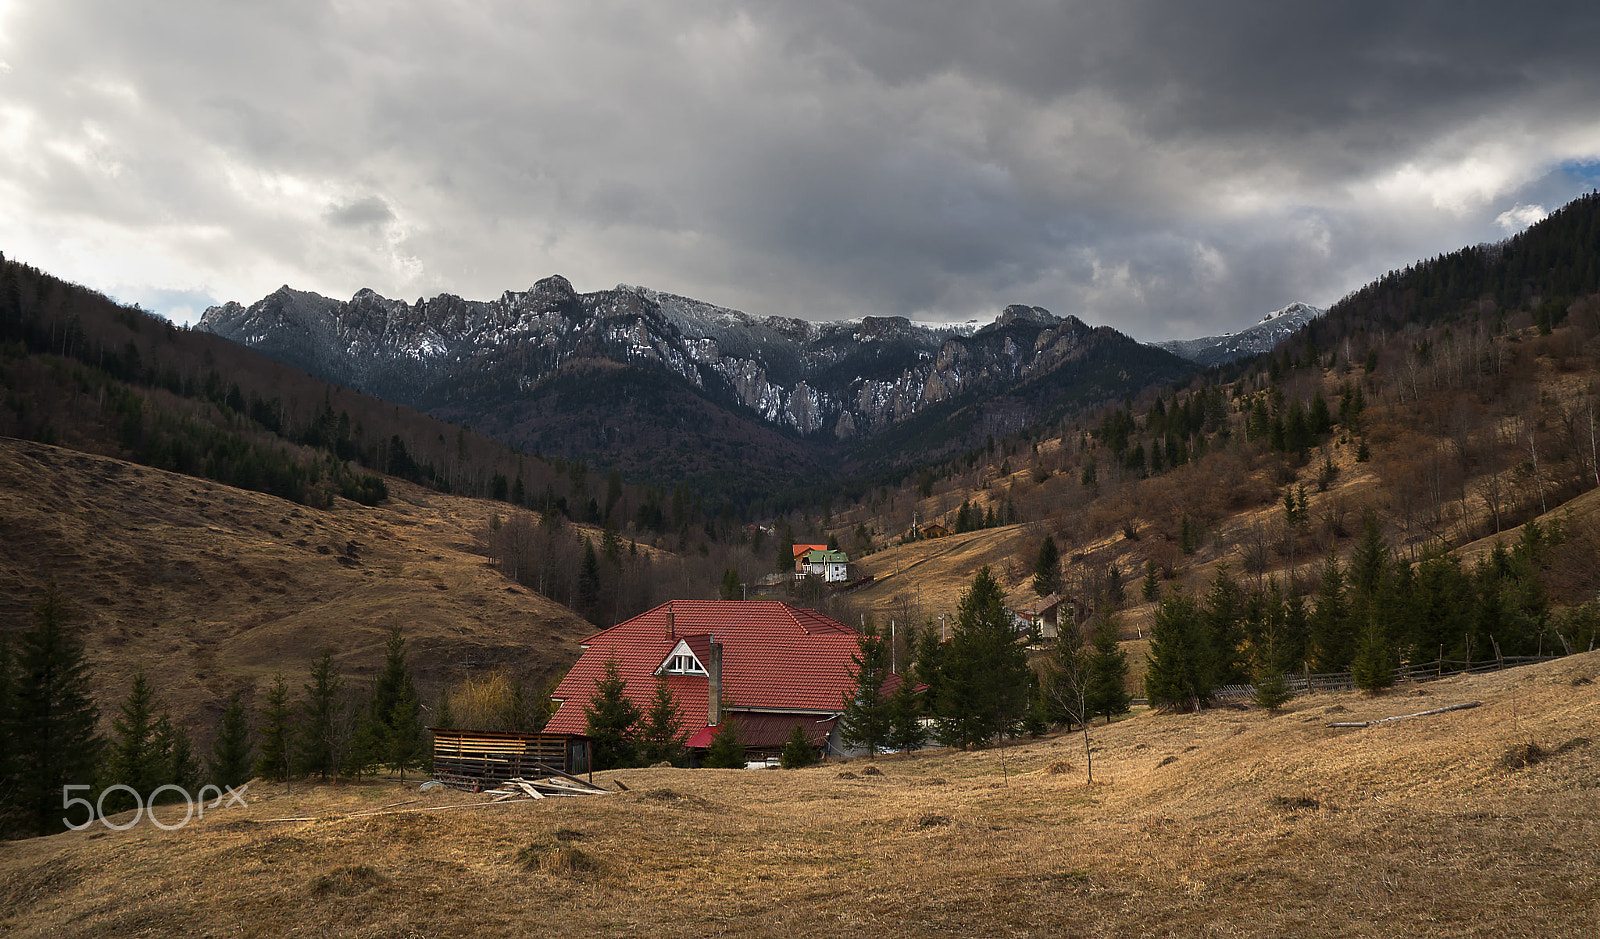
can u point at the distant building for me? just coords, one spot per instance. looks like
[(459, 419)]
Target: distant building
[(800, 552), (832, 566), (934, 530)]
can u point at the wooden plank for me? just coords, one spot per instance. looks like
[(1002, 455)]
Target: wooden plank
[(1401, 717), (555, 772)]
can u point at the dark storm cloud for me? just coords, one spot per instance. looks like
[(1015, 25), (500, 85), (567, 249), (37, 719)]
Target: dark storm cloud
[(358, 213), (1172, 168)]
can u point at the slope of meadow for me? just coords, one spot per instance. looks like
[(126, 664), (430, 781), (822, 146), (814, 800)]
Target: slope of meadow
[(211, 589), (1481, 822)]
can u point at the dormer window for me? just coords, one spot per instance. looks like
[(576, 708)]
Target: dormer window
[(683, 665), (682, 661)]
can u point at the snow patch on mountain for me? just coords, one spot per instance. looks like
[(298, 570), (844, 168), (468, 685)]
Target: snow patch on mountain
[(1272, 329)]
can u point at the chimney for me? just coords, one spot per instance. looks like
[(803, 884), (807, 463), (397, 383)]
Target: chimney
[(672, 629), (714, 693)]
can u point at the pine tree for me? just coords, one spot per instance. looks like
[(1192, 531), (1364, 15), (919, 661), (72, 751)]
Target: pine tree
[(786, 551), (983, 684), (732, 587), (1150, 589), (1224, 619), (661, 733), (798, 750), (134, 758), (178, 764), (906, 731), (230, 764), (610, 720), (318, 742), (277, 731), (727, 746), (1179, 675), (1108, 672), (864, 723), (407, 744), (1047, 568), (588, 581), (394, 724), (1188, 536), (1332, 647), (53, 719)]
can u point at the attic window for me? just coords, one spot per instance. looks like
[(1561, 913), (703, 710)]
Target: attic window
[(683, 665)]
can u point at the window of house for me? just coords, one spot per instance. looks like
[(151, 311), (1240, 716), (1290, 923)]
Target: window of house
[(684, 665)]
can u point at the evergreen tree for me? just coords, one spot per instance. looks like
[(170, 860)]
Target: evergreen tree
[(588, 596), (732, 587), (798, 750), (1224, 619), (983, 685), (1179, 674), (1373, 668), (1047, 568), (407, 745), (54, 742), (394, 723), (661, 734), (1188, 536), (610, 720), (864, 723), (134, 758), (178, 764), (277, 732), (906, 732), (1332, 646), (727, 746), (230, 764), (1107, 695), (318, 741), (1150, 589), (786, 550)]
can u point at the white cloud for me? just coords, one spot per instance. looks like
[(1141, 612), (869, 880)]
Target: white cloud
[(1520, 216)]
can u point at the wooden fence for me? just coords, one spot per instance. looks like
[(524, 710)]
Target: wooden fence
[(1308, 681)]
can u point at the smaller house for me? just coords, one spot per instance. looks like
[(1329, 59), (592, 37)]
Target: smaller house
[(934, 530), (800, 552), (832, 566), (1042, 617)]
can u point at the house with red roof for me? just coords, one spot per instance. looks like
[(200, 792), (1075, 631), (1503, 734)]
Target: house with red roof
[(763, 663)]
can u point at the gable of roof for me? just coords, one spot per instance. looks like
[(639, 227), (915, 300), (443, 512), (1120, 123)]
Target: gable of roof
[(775, 657), (686, 647), (801, 550)]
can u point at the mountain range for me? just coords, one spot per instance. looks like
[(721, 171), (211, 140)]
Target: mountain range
[(1271, 330), (669, 387)]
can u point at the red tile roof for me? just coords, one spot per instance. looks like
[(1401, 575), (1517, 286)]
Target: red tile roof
[(775, 657)]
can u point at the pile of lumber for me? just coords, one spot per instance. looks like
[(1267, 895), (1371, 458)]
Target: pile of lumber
[(554, 783)]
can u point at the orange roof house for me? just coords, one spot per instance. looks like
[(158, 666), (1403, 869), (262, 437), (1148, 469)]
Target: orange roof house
[(775, 666), (800, 552)]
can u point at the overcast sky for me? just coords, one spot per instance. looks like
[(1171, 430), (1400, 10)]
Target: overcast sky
[(1173, 169)]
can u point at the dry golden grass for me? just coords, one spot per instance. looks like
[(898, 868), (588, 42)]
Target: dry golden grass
[(211, 589), (1225, 823)]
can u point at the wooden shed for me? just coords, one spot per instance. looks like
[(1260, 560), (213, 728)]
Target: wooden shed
[(494, 756)]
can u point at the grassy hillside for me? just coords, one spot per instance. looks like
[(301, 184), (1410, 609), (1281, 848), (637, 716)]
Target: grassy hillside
[(212, 589), (1480, 822)]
